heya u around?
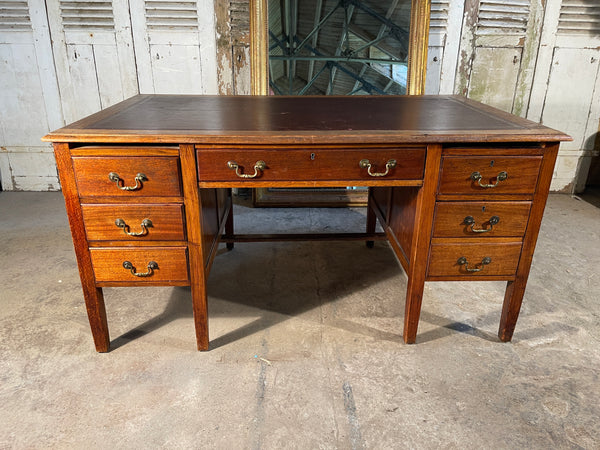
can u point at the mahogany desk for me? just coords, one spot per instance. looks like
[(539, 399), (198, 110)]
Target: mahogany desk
[(458, 187)]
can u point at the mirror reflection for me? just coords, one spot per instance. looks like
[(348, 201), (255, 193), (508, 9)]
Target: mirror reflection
[(338, 47)]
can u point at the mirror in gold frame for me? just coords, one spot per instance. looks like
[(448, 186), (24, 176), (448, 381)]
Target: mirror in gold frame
[(362, 41)]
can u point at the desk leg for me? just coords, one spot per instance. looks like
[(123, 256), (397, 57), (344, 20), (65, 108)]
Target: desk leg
[(199, 297), (421, 236), (194, 215), (371, 219), (94, 299), (96, 311), (513, 297), (229, 221)]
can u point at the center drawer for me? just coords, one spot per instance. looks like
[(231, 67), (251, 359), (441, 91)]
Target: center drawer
[(320, 164)]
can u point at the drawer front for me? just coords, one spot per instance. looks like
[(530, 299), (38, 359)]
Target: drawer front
[(160, 176), (444, 259), (459, 174), (481, 219), (171, 264), (148, 222), (311, 165)]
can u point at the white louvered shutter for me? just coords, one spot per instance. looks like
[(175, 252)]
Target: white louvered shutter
[(566, 92), (172, 58), (444, 39), (29, 98), (94, 56), (579, 18), (14, 16), (505, 40), (503, 17)]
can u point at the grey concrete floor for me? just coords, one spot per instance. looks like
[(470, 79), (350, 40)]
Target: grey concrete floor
[(306, 347)]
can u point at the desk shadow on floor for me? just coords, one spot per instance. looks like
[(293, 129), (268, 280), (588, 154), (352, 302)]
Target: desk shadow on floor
[(179, 306), (272, 283), (277, 281), (284, 280), (444, 327)]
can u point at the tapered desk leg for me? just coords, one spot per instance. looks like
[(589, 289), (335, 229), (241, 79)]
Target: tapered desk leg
[(199, 297), (229, 222), (194, 213), (96, 311), (371, 219), (94, 299), (513, 297), (421, 236)]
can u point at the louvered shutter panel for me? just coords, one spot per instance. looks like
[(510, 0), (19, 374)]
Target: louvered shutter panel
[(171, 16), (579, 18), (89, 16), (93, 53), (239, 20), (568, 91), (508, 17), (579, 24), (504, 52), (14, 15), (170, 53), (438, 21), (29, 98), (444, 39)]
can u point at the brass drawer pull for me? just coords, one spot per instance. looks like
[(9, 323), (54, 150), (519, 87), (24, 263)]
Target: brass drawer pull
[(139, 178), (365, 164), (469, 220), (152, 266), (258, 167), (146, 223), (484, 262), (476, 176)]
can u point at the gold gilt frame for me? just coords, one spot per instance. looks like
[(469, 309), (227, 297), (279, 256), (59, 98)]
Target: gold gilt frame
[(259, 70)]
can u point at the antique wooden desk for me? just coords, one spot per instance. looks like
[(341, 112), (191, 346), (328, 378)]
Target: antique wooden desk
[(458, 187)]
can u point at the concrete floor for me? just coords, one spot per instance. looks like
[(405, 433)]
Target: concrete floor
[(306, 346)]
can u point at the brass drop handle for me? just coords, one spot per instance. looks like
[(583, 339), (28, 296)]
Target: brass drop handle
[(258, 167), (476, 176), (365, 164), (139, 178), (469, 220), (146, 223), (152, 266), (462, 261)]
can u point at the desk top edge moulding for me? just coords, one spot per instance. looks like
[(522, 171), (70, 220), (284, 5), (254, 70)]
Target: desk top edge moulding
[(458, 187), (307, 119)]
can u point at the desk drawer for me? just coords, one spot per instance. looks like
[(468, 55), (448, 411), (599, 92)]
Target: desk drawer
[(110, 264), (127, 176), (482, 174), (311, 164), (134, 222), (481, 219), (445, 259)]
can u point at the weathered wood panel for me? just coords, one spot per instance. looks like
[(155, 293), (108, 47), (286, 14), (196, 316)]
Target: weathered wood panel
[(571, 109), (29, 98), (175, 46), (494, 76), (566, 86), (93, 53)]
